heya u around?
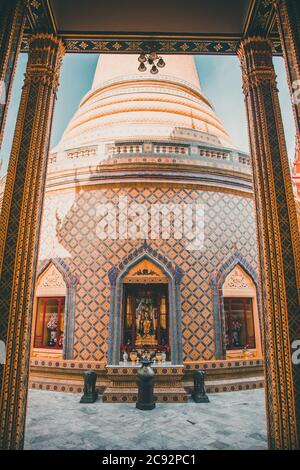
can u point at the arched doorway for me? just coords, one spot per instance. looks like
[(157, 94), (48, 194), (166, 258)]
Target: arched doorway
[(162, 279), (145, 316), (241, 320)]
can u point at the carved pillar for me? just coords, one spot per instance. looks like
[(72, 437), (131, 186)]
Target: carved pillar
[(12, 19), (278, 242), (288, 22), (19, 228)]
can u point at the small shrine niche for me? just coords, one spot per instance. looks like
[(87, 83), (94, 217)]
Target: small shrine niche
[(242, 333), (49, 327), (145, 312)]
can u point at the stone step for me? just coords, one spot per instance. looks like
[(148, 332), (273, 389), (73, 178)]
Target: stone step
[(212, 386), (229, 385), (129, 395)]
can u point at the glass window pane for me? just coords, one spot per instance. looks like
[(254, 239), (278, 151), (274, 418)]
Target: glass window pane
[(49, 331), (163, 313), (128, 312), (39, 323), (239, 323), (250, 324), (51, 323), (61, 326)]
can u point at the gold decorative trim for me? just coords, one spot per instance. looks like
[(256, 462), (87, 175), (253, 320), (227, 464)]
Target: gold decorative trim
[(278, 241), (19, 228), (12, 23)]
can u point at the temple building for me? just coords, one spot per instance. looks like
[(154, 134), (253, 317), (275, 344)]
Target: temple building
[(148, 240)]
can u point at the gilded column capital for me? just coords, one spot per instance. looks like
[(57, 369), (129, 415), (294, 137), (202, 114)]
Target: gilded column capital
[(46, 52), (255, 54)]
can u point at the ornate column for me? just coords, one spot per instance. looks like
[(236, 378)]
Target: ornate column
[(288, 23), (12, 21), (278, 242), (19, 228)]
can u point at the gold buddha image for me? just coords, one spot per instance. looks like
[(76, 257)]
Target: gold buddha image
[(146, 323)]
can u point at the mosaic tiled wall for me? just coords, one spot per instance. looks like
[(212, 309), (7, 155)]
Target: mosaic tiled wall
[(70, 233)]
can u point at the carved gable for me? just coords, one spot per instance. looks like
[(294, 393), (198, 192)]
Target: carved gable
[(51, 282), (52, 278), (237, 279), (145, 272)]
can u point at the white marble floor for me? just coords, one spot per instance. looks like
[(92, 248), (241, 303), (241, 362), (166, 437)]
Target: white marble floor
[(234, 420)]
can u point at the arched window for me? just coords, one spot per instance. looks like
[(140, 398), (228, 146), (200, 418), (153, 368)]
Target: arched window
[(242, 331), (49, 325)]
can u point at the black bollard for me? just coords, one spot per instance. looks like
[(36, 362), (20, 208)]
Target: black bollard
[(90, 394), (199, 395), (145, 383)]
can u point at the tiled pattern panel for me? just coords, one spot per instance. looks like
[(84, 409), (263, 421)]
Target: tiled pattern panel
[(229, 225)]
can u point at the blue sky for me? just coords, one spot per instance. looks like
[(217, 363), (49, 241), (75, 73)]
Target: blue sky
[(220, 78)]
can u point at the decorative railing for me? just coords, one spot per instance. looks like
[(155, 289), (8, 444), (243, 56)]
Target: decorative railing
[(176, 149), (124, 148), (160, 152), (244, 159), (214, 154), (52, 158), (188, 152), (81, 152)]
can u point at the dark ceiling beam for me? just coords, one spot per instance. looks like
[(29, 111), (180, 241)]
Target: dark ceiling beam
[(120, 45), (40, 18), (260, 21)]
